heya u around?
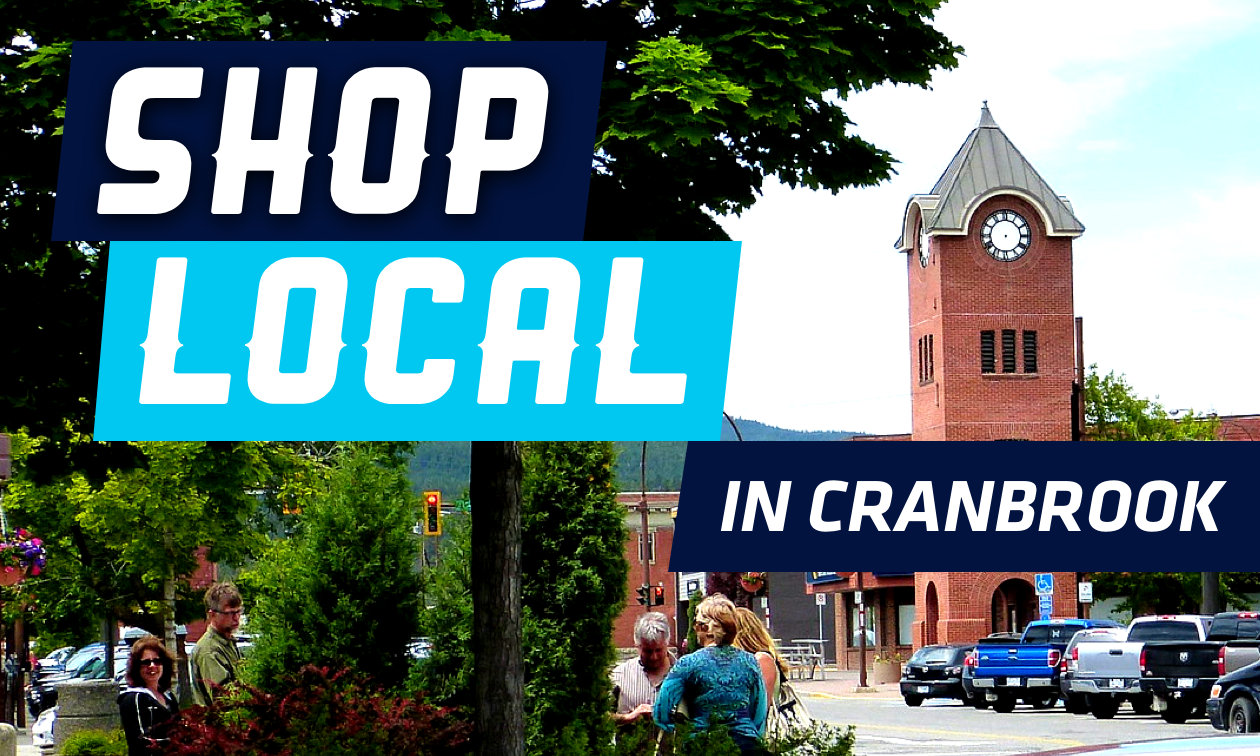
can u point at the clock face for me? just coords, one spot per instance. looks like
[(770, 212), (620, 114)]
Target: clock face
[(924, 250), (1005, 235)]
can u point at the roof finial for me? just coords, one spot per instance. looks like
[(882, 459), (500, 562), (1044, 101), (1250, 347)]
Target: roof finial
[(986, 118)]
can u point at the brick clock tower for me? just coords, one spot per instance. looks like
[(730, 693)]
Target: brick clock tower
[(992, 328)]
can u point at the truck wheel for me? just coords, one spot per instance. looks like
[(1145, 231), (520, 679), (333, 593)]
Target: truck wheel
[(1103, 707), (914, 700), (1176, 713), (1243, 715), (1044, 701), (1141, 704), (1076, 703), (1005, 703)]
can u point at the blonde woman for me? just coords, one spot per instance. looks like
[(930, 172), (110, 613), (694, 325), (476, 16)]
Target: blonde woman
[(752, 636), (721, 683)]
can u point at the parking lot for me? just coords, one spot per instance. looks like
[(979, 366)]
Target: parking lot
[(885, 725)]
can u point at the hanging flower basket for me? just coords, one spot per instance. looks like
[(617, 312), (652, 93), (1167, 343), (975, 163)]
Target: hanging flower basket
[(20, 555), (752, 582), (10, 576)]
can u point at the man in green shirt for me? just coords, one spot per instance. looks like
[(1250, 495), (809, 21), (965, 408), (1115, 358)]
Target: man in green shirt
[(215, 658)]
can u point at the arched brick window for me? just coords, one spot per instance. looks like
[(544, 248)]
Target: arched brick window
[(932, 615)]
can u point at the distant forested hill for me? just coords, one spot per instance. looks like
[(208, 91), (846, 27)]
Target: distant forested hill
[(444, 465)]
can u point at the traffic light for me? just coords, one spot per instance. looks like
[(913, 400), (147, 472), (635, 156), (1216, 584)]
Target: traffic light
[(643, 594), (433, 513), (658, 595)]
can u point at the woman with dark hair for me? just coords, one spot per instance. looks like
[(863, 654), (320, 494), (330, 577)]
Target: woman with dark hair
[(147, 707), (721, 684)]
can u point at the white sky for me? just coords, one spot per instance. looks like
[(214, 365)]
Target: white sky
[(1145, 113)]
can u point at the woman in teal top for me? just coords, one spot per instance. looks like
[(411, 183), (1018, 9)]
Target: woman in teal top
[(721, 685)]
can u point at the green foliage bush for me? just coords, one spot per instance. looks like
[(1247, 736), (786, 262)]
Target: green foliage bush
[(343, 591), (447, 675), (95, 743), (320, 713), (573, 587)]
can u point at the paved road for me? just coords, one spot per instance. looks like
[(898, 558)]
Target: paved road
[(886, 726)]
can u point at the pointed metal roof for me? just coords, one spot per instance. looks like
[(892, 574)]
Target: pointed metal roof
[(986, 162)]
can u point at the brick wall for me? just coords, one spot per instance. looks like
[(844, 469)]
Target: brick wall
[(964, 291), (965, 602)]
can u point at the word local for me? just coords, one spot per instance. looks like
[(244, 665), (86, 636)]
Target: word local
[(286, 157), (1016, 511), (551, 346)]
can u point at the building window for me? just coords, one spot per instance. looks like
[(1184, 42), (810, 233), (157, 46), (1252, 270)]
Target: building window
[(871, 623), (651, 543), (927, 359), (1008, 350), (986, 352), (1030, 351)]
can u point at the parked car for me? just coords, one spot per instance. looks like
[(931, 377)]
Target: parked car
[(42, 730), (54, 662), (934, 672), (974, 697), (1240, 632), (1178, 672), (87, 664), (1234, 702), (1028, 670), (1103, 671)]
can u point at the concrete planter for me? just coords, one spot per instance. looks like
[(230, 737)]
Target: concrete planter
[(886, 673), (85, 705)]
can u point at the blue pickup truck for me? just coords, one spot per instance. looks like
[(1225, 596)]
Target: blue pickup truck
[(1028, 670)]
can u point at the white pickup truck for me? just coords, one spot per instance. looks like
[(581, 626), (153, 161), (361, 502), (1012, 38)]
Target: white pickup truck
[(1107, 671)]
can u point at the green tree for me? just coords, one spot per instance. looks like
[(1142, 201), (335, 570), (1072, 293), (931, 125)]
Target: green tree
[(573, 575), (573, 587), (1170, 592), (344, 591), (1114, 412), (121, 547), (447, 675)]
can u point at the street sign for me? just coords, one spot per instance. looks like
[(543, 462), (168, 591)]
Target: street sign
[(689, 583), (1045, 606), (820, 599), (1085, 592), (857, 597), (1044, 581)]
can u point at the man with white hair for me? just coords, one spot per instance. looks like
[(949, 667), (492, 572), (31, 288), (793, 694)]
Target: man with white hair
[(637, 680)]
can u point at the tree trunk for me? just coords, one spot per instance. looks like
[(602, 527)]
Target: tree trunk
[(1212, 593), (168, 599), (495, 492)]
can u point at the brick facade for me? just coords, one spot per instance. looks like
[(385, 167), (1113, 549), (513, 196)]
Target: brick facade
[(959, 607), (661, 526), (964, 291)]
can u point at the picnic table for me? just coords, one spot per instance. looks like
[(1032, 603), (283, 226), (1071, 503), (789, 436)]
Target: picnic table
[(804, 655)]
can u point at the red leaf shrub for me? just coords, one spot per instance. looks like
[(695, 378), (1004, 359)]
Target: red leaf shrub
[(320, 713)]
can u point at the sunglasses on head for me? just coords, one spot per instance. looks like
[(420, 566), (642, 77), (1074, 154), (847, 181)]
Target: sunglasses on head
[(150, 662)]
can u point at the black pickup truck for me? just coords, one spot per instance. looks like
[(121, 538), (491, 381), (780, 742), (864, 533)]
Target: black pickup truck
[(1180, 674)]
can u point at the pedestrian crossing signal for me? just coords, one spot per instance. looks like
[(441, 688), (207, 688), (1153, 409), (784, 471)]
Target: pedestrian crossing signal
[(658, 595), (433, 513)]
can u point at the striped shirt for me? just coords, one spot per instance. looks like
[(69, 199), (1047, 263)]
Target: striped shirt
[(635, 687)]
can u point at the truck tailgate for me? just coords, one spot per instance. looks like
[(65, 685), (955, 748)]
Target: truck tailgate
[(1107, 660), (1014, 661), (1180, 659)]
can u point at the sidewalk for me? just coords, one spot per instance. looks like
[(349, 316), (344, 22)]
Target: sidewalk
[(24, 745), (843, 684)]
